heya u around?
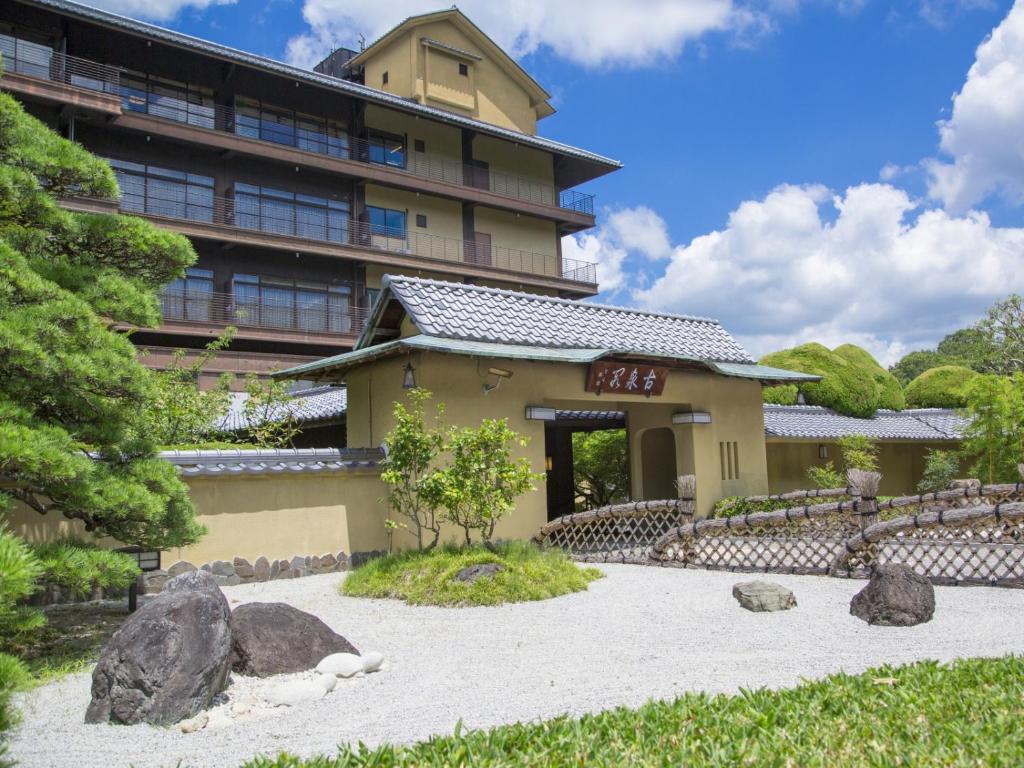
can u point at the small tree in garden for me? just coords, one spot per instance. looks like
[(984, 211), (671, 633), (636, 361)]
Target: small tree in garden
[(994, 435), (858, 452), (482, 482), (269, 412), (940, 469), (600, 467), (412, 448)]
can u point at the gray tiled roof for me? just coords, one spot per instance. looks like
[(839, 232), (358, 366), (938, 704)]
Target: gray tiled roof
[(815, 422), (297, 73), (476, 313), (280, 461), (308, 406)]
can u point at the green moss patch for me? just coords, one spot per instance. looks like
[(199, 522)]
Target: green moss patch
[(942, 387), (968, 713), (428, 578)]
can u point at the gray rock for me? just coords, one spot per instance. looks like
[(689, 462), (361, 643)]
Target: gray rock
[(343, 561), (227, 581), (169, 660), (151, 582), (298, 563), (314, 563), (895, 596), (360, 558), (328, 563), (275, 569), (473, 573), (275, 638), (222, 568), (261, 569), (762, 596), (194, 724), (243, 568), (180, 567)]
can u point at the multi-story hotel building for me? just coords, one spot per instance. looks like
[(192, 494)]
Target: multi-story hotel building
[(300, 189)]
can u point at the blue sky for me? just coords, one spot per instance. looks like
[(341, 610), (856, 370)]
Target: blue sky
[(754, 138)]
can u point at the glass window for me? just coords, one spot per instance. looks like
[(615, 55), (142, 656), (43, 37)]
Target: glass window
[(281, 126), (181, 102), (386, 149), (28, 58), (296, 304), (190, 297), (164, 191), (386, 222), (289, 213)]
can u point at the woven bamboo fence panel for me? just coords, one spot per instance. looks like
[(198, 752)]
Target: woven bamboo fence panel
[(814, 493), (968, 545), (621, 533)]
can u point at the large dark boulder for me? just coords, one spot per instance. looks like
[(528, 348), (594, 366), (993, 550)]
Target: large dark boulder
[(168, 660), (895, 597), (274, 639)]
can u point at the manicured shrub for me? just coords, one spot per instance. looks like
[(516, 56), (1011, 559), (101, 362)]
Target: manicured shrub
[(781, 395), (845, 387), (942, 387), (889, 393)]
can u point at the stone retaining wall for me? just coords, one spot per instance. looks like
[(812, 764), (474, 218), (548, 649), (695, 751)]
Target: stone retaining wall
[(241, 571)]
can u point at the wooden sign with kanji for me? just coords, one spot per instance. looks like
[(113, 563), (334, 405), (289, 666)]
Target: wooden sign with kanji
[(627, 379)]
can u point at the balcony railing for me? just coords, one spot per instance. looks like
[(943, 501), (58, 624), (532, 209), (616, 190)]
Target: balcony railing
[(304, 313), (39, 61), (331, 226)]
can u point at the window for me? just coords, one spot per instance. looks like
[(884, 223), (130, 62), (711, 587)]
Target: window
[(386, 222), (384, 78), (386, 149), (278, 302), (171, 100), (464, 70), (190, 297), (293, 129), (28, 58), (291, 213), (420, 145), (421, 220), (730, 458), (163, 191)]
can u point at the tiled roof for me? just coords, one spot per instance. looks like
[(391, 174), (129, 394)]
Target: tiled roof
[(282, 461), (476, 313), (297, 73), (308, 406), (815, 422)]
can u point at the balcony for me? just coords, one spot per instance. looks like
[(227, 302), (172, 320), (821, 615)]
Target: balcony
[(39, 71), (303, 318), (332, 232)]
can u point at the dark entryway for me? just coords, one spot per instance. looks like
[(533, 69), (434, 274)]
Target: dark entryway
[(561, 489)]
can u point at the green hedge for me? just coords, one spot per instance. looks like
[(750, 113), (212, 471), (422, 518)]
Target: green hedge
[(942, 387), (845, 387), (888, 389)]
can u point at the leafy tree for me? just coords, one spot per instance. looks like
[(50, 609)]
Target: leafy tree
[(940, 469), (859, 452), (1003, 329), (994, 435), (600, 467), (915, 363), (845, 387), (970, 347), (482, 482), (826, 476), (19, 570), (412, 448), (71, 389), (942, 387)]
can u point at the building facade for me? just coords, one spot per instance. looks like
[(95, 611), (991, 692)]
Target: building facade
[(300, 189)]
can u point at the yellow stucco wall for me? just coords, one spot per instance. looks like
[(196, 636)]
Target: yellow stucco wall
[(901, 463), (735, 406), (442, 158), (517, 170), (441, 239), (519, 242), (431, 76)]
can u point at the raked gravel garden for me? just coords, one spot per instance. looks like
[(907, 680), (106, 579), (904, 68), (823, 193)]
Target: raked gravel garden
[(638, 634)]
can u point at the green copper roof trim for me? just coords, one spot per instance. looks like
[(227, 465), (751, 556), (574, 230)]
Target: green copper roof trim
[(423, 342)]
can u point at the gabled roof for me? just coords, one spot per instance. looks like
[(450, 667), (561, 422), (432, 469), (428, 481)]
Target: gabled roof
[(538, 94), (457, 318), (309, 407), (357, 90), (812, 422)]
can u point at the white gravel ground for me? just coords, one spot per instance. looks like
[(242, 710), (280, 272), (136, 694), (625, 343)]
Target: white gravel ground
[(638, 634)]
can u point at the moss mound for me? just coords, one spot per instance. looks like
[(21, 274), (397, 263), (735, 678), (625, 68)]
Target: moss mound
[(941, 387), (428, 578), (889, 392), (844, 387)]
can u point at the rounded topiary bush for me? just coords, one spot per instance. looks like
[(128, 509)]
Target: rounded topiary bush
[(888, 390), (941, 387), (784, 394), (844, 387)]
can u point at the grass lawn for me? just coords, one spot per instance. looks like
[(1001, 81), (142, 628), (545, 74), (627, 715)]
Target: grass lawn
[(970, 713), (428, 578)]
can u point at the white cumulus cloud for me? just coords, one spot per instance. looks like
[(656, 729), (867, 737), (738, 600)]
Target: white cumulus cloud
[(868, 266), (155, 10), (984, 137), (591, 33)]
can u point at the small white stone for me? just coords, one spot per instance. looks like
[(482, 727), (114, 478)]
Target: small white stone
[(241, 708), (327, 681), (219, 718), (372, 661), (295, 692), (193, 724), (340, 664)]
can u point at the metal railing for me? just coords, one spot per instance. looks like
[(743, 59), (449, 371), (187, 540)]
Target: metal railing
[(39, 61), (305, 312), (311, 134), (325, 225)]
